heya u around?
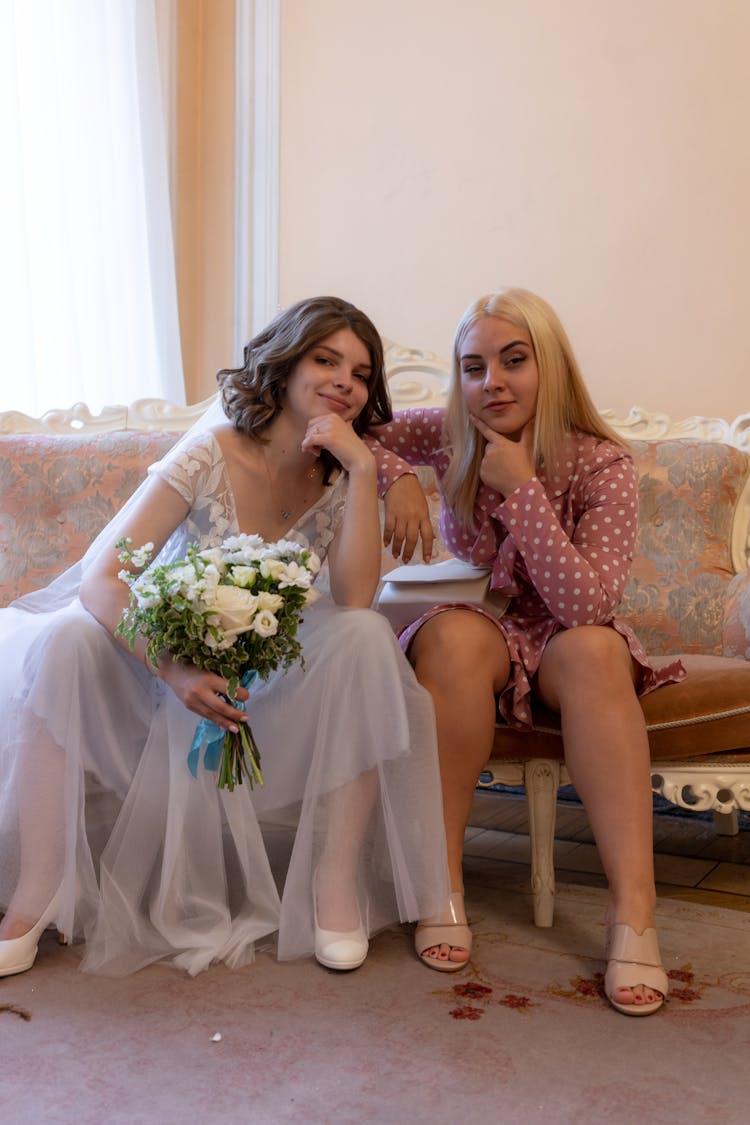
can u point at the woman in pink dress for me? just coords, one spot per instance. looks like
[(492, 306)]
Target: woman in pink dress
[(535, 485)]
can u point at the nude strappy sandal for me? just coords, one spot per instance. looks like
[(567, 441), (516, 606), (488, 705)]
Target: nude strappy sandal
[(634, 959), (453, 931)]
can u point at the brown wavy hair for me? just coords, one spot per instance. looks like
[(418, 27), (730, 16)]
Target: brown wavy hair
[(253, 395)]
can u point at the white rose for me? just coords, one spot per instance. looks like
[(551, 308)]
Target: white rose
[(313, 563), (265, 624), (272, 568), (311, 596), (232, 611), (266, 600), (243, 576)]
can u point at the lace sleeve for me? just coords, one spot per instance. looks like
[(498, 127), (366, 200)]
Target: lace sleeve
[(190, 471), (198, 473)]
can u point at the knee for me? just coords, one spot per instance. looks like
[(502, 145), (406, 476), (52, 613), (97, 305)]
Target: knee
[(73, 640), (363, 630), (590, 651), (457, 643)]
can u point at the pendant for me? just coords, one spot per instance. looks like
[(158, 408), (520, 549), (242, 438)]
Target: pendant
[(285, 514)]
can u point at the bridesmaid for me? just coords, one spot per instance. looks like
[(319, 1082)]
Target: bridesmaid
[(536, 485)]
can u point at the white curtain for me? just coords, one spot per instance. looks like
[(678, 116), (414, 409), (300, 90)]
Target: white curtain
[(88, 302)]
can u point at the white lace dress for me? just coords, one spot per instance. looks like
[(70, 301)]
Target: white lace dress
[(157, 865)]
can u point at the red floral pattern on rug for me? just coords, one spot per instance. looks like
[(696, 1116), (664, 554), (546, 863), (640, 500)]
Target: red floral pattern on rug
[(586, 988), (475, 990), (475, 997)]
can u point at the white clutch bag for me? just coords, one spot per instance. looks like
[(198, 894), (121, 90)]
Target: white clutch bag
[(409, 591)]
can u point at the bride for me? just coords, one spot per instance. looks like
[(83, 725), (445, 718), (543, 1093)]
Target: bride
[(103, 829)]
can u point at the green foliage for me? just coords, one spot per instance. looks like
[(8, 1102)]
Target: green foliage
[(227, 610)]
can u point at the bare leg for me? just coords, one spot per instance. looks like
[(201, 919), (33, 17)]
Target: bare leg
[(587, 675), (349, 811), (462, 660)]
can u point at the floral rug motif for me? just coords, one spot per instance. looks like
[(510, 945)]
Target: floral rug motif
[(522, 1033), (530, 971)]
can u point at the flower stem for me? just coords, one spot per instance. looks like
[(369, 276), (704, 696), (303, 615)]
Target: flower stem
[(240, 759)]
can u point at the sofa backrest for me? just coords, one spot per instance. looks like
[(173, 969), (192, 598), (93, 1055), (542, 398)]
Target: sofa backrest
[(694, 484), (691, 496), (57, 492)]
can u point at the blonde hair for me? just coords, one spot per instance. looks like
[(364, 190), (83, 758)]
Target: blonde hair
[(563, 402)]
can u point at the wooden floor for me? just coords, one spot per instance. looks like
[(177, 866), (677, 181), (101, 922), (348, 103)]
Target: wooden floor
[(692, 861)]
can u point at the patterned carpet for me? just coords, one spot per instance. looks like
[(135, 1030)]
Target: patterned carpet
[(522, 1035)]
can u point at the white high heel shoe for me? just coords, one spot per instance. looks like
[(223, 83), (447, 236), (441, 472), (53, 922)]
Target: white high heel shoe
[(335, 949), (19, 954)]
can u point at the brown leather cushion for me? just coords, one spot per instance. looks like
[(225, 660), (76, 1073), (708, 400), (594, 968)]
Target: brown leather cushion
[(707, 713)]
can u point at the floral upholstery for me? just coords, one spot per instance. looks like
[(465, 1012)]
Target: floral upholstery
[(737, 617), (57, 492), (677, 591)]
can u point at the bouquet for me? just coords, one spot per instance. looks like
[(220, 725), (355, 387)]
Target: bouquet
[(234, 610)]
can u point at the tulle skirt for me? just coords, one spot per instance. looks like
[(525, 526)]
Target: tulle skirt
[(156, 864)]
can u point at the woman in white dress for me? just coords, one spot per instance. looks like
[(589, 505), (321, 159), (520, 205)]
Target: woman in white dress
[(103, 829)]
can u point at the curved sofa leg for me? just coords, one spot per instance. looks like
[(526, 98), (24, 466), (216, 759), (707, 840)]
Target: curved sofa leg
[(541, 781)]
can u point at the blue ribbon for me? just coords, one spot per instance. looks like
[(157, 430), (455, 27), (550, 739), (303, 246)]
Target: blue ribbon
[(209, 739)]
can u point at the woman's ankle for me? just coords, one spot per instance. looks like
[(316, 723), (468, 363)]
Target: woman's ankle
[(637, 912), (336, 900), (16, 925)]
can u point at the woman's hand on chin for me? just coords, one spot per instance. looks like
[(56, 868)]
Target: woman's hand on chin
[(329, 431), (507, 464)]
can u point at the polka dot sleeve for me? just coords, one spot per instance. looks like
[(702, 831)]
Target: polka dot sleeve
[(414, 437), (581, 578)]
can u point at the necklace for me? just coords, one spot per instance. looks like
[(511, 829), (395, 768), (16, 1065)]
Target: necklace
[(284, 511)]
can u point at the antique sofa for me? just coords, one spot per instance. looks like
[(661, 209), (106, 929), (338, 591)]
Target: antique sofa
[(63, 476)]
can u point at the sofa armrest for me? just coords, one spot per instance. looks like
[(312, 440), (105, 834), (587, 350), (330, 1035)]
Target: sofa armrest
[(736, 633)]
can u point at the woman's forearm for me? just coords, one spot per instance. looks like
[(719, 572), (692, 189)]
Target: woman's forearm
[(355, 555), (105, 598)]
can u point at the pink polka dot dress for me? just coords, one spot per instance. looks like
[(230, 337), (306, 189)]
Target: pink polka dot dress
[(561, 546)]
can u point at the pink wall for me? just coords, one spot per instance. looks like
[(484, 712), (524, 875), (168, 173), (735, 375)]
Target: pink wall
[(594, 151)]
